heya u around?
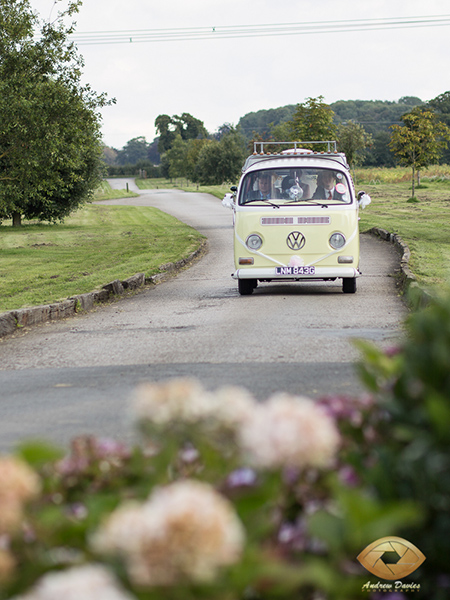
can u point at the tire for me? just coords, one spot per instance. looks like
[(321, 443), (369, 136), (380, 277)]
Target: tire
[(246, 286), (349, 285)]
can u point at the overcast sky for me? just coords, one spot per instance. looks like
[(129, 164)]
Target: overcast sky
[(220, 79)]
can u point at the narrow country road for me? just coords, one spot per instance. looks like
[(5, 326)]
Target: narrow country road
[(76, 376)]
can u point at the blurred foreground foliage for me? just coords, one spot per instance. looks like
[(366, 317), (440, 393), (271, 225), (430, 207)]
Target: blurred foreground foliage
[(229, 499)]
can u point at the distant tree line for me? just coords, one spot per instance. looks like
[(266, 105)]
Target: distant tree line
[(364, 130)]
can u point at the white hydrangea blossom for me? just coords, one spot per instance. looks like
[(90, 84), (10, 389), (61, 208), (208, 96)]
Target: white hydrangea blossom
[(18, 484), (289, 431), (185, 531), (181, 399), (187, 401), (87, 582)]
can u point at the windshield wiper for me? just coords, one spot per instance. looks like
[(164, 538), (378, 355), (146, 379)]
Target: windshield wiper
[(262, 200), (322, 204)]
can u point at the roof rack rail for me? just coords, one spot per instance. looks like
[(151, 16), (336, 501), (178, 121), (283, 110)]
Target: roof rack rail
[(331, 145)]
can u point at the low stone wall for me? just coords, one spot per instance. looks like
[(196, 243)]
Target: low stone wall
[(408, 281), (14, 320)]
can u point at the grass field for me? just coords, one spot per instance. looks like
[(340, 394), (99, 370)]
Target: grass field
[(41, 264)]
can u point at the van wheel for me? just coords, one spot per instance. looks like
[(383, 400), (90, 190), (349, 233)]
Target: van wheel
[(349, 285), (246, 286)]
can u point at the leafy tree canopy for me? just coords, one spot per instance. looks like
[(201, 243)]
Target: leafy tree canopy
[(420, 141), (187, 126), (353, 140), (313, 120), (134, 150), (50, 140), (220, 162)]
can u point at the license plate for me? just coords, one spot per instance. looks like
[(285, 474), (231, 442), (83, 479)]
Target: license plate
[(295, 270)]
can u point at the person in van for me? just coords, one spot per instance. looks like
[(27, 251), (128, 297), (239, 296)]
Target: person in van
[(326, 187), (289, 182), (264, 185)]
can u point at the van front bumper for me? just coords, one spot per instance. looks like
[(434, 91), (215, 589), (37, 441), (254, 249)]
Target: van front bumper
[(270, 273)]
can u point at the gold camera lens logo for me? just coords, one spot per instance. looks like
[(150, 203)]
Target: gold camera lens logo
[(391, 558)]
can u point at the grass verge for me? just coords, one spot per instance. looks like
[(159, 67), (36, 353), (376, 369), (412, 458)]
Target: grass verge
[(42, 264), (424, 225), (105, 192), (182, 184)]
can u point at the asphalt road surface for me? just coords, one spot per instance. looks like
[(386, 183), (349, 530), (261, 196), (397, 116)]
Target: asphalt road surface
[(76, 376)]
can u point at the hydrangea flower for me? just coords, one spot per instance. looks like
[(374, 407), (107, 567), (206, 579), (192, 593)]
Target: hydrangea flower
[(289, 431), (87, 582), (185, 531)]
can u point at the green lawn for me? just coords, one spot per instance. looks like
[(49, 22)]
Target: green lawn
[(105, 192), (423, 225), (41, 264)]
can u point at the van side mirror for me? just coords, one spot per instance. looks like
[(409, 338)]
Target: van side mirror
[(363, 199), (233, 188)]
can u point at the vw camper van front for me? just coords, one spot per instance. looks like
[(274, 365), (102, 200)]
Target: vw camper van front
[(296, 218)]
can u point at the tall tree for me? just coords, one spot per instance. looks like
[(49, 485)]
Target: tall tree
[(313, 121), (187, 126), (50, 139), (353, 139), (220, 162), (134, 150), (166, 132), (420, 141), (177, 157)]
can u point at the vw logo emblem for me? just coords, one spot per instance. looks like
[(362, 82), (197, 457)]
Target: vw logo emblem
[(295, 240)]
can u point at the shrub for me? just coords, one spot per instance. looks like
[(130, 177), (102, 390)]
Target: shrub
[(225, 497)]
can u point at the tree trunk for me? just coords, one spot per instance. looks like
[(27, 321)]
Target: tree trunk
[(17, 219), (418, 177), (413, 181)]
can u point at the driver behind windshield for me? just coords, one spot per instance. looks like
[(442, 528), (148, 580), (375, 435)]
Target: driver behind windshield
[(264, 187)]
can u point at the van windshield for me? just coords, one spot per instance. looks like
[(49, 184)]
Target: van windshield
[(295, 185)]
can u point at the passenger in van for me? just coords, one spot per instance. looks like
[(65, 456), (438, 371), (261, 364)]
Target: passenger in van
[(288, 183), (326, 187), (264, 185)]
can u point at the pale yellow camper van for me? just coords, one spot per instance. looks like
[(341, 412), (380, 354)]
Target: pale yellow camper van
[(295, 217)]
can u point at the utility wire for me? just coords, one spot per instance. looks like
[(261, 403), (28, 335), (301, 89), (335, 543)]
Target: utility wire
[(249, 31)]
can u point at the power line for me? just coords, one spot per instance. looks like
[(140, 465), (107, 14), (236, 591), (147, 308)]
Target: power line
[(249, 31)]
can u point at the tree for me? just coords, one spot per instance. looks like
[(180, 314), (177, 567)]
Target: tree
[(177, 157), (313, 120), (134, 150), (166, 132), (353, 139), (50, 139), (379, 153), (220, 162), (441, 106), (420, 141), (187, 126), (192, 154)]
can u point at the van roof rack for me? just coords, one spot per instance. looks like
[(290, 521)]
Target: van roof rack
[(295, 150), (258, 147)]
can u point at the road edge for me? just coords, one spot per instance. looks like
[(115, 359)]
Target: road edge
[(15, 320), (414, 294)]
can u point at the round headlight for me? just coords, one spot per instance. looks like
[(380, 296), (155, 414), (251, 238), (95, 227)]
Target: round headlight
[(337, 240), (254, 242)]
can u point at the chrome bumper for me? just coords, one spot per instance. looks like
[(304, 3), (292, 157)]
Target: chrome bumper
[(320, 273)]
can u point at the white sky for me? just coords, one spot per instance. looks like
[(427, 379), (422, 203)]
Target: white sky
[(220, 80)]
